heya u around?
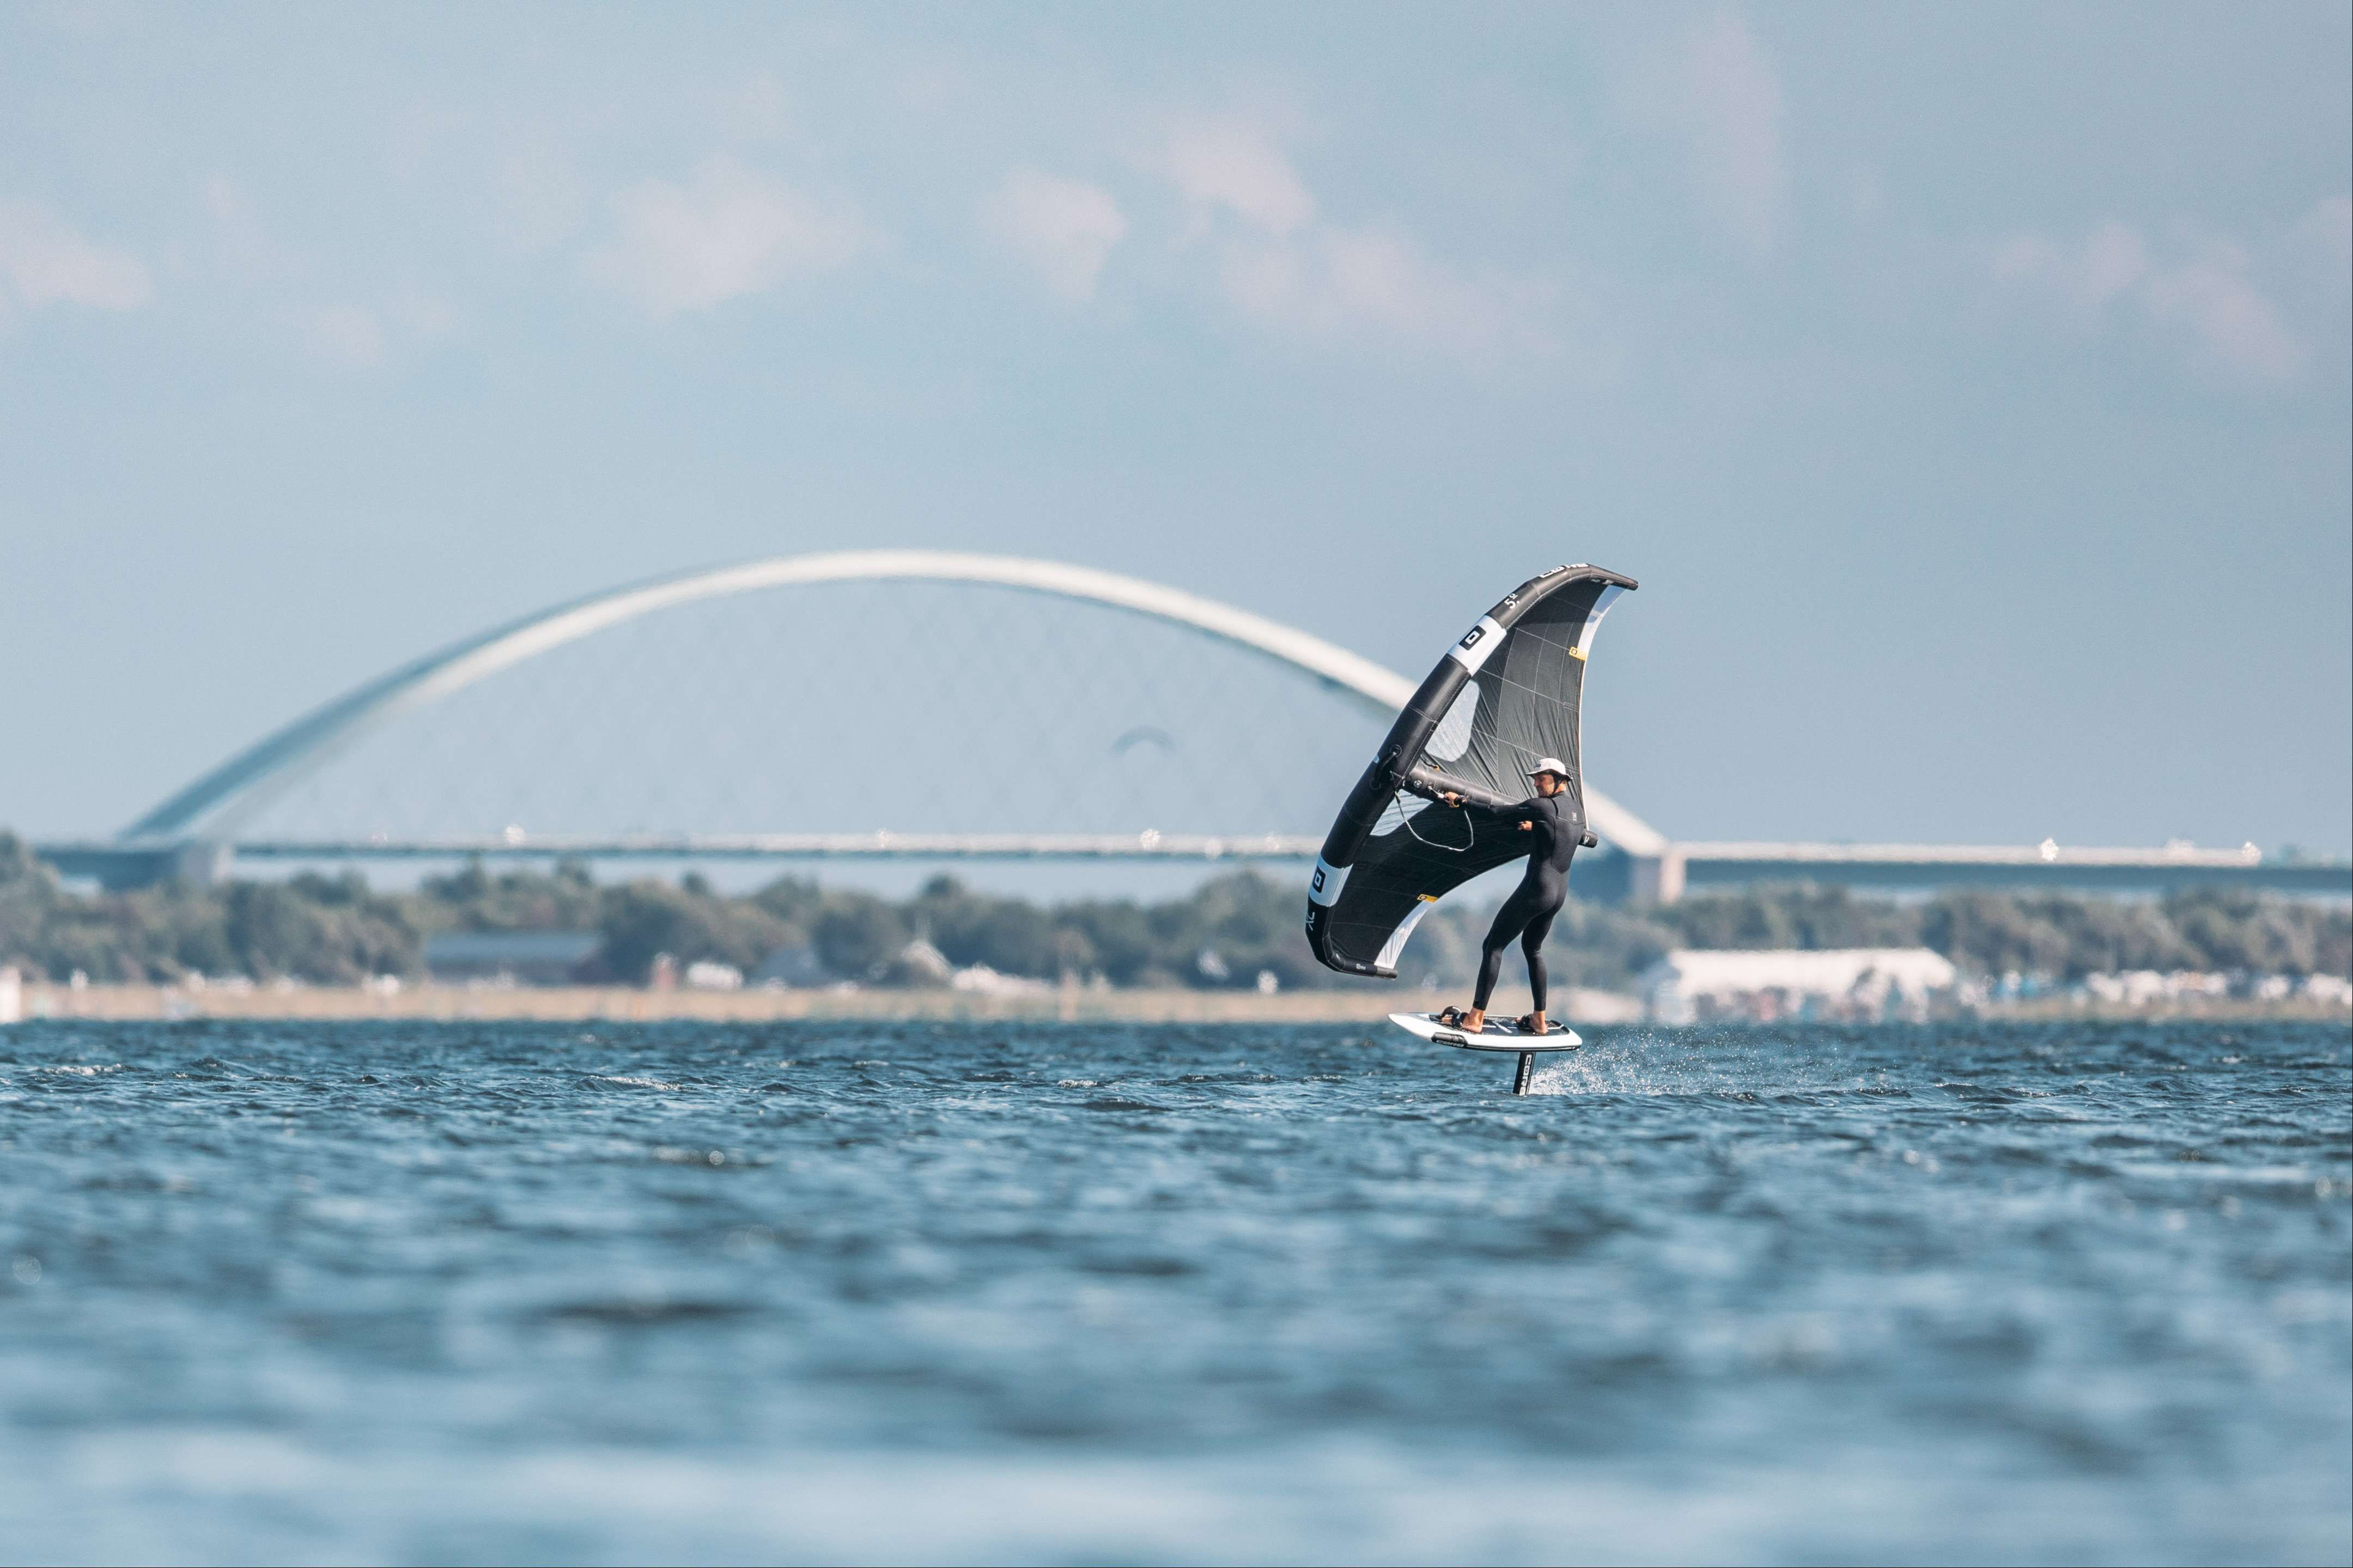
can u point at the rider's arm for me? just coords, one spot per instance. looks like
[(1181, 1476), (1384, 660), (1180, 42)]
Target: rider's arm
[(1455, 792)]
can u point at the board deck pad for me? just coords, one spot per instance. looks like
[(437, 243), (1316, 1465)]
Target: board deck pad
[(1500, 1034)]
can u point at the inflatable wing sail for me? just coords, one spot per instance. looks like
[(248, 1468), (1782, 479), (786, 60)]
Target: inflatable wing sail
[(1503, 696)]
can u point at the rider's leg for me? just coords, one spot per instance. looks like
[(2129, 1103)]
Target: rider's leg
[(1508, 921), (1490, 965), (1531, 942)]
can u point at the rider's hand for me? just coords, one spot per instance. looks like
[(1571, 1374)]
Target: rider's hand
[(1526, 827)]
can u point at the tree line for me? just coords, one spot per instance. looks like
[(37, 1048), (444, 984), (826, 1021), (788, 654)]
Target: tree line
[(1227, 932)]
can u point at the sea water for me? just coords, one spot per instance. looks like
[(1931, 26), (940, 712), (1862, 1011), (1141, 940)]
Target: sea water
[(291, 1291)]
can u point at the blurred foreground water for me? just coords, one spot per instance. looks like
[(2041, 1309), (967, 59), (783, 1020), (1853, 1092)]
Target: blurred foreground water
[(843, 1291)]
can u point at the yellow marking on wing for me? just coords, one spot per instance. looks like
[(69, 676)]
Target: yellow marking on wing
[(1577, 653)]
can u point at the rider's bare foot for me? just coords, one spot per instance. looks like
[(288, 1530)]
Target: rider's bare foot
[(1534, 1023), (1475, 1020)]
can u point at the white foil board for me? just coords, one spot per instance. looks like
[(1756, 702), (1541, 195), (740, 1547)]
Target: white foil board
[(1500, 1034)]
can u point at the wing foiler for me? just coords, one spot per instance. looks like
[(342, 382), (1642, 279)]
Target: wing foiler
[(1504, 696)]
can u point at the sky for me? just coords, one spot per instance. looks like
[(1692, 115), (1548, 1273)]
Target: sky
[(1967, 386)]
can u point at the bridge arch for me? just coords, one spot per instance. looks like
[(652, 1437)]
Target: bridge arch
[(213, 806)]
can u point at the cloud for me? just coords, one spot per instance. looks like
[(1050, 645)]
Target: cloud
[(2087, 274), (1232, 164), (362, 337), (349, 335), (1714, 91), (728, 233), (2329, 225), (44, 261), (1065, 229), (1280, 263), (2206, 292), (1333, 280), (2211, 296)]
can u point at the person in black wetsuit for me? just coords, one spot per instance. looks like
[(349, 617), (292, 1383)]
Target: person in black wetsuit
[(1527, 913)]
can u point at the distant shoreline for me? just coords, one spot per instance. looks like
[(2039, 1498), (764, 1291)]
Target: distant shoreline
[(618, 1003), (632, 1004)]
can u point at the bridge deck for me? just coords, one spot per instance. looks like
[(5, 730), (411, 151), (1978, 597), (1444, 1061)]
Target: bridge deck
[(1686, 866)]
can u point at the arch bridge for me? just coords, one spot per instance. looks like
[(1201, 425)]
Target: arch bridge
[(225, 814)]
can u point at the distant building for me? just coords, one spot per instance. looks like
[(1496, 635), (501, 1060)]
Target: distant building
[(796, 965), (2145, 987), (709, 974), (981, 979), (1696, 985), (919, 964), (2333, 990), (521, 957)]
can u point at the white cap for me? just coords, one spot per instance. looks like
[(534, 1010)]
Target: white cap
[(1549, 765)]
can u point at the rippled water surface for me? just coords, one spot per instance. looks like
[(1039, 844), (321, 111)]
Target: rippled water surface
[(1018, 1291)]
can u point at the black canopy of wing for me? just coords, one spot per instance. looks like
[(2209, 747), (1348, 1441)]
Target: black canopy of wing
[(1504, 697)]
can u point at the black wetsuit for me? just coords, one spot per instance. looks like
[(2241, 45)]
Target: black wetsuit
[(1527, 913)]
